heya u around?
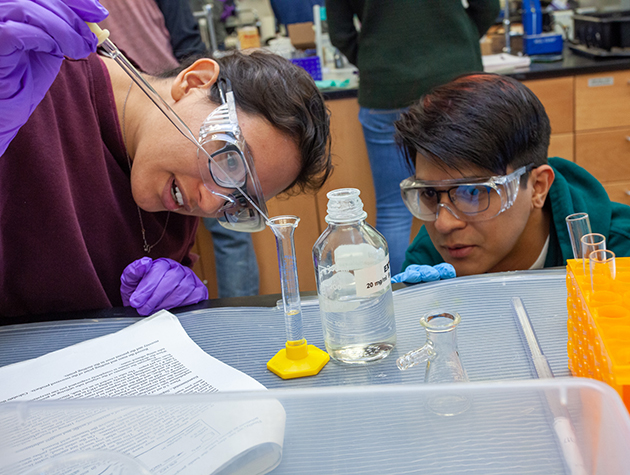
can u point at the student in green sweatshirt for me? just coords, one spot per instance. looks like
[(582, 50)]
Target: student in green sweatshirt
[(489, 197)]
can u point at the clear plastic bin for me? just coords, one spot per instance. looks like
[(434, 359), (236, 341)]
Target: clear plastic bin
[(508, 427)]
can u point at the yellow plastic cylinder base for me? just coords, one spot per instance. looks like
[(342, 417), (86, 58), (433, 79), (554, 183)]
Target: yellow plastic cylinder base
[(297, 360)]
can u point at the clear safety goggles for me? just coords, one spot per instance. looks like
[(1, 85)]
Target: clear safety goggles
[(468, 199), (229, 165)]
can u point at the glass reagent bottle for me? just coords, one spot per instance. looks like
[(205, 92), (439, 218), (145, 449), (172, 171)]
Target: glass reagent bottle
[(351, 262)]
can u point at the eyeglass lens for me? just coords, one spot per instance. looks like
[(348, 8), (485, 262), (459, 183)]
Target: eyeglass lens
[(228, 169), (469, 199)]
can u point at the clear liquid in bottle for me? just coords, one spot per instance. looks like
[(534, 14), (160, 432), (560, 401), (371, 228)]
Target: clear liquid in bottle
[(353, 281)]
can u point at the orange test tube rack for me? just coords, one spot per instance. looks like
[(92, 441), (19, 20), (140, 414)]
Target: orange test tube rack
[(598, 325)]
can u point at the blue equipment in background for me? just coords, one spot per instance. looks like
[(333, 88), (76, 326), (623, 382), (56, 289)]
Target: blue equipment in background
[(534, 40)]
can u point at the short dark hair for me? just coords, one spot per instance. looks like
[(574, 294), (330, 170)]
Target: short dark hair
[(272, 87), (483, 120)]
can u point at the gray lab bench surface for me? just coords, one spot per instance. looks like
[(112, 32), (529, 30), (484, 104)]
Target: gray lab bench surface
[(490, 342), (375, 419)]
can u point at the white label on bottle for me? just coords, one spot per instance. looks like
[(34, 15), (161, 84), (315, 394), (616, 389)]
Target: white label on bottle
[(372, 279)]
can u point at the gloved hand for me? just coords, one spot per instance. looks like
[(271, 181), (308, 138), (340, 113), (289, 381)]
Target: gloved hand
[(415, 274), (35, 35), (151, 285)]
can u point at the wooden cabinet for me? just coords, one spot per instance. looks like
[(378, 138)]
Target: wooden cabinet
[(561, 145), (590, 124), (605, 154), (352, 165), (602, 100), (602, 129), (557, 96), (619, 192)]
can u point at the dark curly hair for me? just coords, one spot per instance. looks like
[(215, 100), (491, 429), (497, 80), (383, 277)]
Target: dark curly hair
[(484, 120), (270, 86)]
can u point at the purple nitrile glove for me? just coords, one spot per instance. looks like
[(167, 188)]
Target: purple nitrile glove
[(35, 35), (415, 273), (151, 285)]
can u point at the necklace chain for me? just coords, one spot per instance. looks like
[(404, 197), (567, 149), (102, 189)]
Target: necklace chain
[(147, 248)]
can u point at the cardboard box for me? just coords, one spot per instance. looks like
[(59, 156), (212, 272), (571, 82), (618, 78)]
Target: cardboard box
[(302, 35)]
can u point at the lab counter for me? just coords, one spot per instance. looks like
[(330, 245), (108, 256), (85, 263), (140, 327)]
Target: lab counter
[(572, 64)]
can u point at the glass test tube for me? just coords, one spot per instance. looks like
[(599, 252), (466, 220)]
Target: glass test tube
[(579, 225), (602, 267), (591, 242), (283, 228)]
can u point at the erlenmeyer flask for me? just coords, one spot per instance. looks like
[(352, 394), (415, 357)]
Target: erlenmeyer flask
[(443, 364)]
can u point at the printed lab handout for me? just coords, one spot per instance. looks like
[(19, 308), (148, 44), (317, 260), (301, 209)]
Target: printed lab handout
[(149, 434)]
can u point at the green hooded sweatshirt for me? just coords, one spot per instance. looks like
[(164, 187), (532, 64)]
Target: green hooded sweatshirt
[(407, 47), (573, 190)]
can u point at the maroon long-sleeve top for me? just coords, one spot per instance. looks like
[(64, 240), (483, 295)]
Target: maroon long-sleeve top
[(68, 222)]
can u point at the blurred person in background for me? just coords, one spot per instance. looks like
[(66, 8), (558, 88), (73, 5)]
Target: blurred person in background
[(156, 34), (404, 48)]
